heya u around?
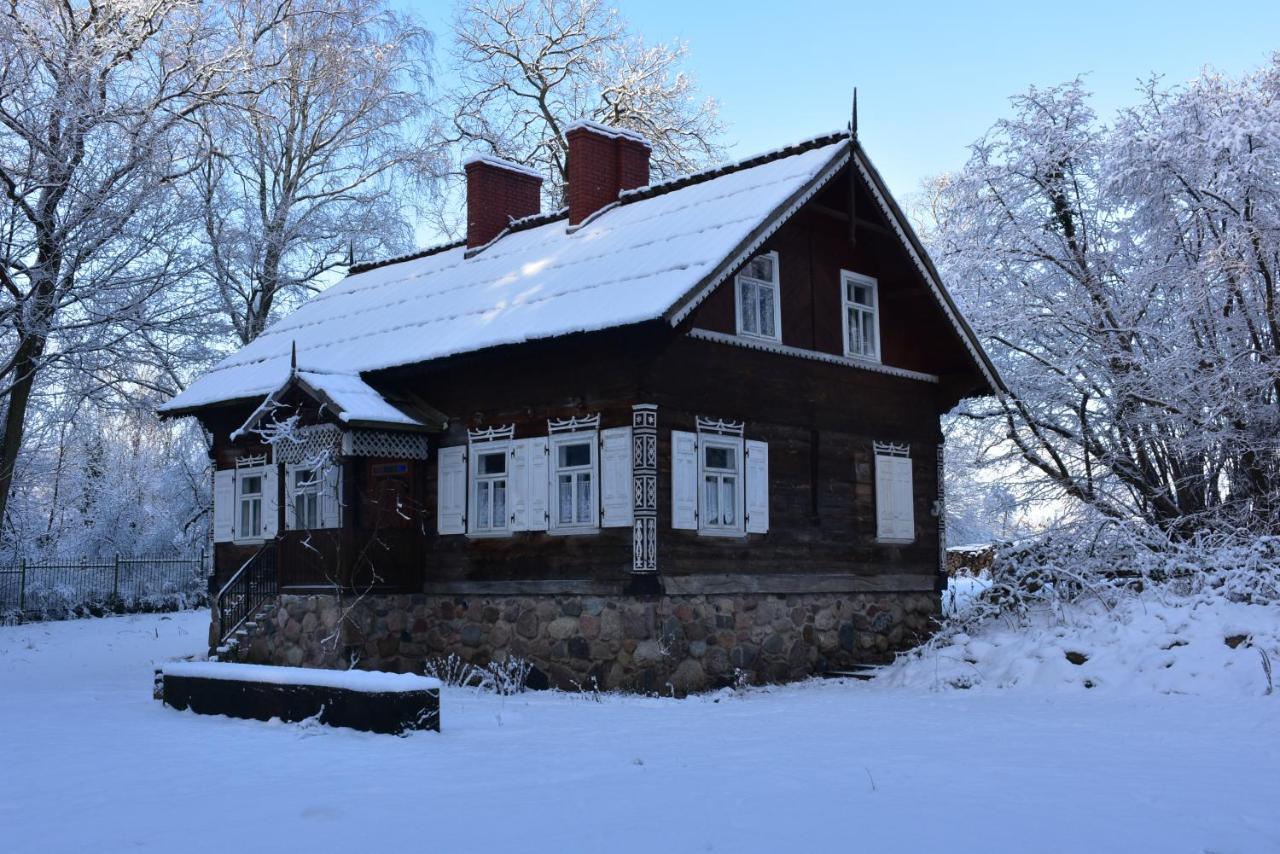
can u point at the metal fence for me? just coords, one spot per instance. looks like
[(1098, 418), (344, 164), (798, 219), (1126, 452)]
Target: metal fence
[(52, 589)]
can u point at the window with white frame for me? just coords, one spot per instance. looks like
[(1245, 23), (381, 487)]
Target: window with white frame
[(719, 480), (759, 307), (306, 484), (489, 511), (575, 480), (861, 316), (249, 500), (575, 504), (720, 498)]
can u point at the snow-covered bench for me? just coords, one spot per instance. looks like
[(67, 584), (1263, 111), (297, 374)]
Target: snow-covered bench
[(367, 700)]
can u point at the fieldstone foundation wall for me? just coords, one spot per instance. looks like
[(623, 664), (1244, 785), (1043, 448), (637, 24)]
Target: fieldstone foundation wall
[(663, 644)]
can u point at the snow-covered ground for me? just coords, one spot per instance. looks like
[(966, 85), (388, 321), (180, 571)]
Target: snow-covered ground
[(89, 762)]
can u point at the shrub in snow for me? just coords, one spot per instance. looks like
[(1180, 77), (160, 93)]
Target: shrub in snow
[(1111, 605), (508, 676), (454, 672)]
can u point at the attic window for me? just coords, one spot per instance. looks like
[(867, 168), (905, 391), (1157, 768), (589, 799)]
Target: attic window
[(861, 316), (759, 309)]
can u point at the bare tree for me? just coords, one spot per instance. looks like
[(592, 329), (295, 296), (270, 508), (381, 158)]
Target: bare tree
[(529, 68), (319, 157), (96, 109)]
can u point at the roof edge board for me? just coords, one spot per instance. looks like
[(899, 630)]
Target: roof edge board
[(897, 220)]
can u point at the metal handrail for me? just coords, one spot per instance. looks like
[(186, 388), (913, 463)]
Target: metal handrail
[(252, 585)]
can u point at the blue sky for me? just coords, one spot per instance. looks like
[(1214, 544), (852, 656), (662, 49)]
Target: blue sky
[(931, 77)]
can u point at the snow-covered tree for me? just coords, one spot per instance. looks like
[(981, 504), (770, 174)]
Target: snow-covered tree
[(96, 109), (320, 155), (1124, 279), (529, 68)]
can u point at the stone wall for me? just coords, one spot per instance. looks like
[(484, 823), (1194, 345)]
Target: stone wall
[(664, 644)]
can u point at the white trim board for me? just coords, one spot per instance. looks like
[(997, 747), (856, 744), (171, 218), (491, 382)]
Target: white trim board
[(801, 353)]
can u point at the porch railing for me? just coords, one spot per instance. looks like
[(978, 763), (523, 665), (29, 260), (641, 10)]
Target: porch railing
[(253, 585)]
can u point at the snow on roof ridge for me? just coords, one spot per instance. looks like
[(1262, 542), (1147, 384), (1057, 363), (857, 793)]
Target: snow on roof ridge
[(365, 266), (733, 166), (610, 131), (501, 163)]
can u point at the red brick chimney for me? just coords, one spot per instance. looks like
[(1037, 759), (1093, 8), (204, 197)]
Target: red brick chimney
[(498, 191), (603, 161)]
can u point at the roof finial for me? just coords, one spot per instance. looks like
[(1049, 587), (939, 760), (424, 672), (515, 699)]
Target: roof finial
[(293, 358), (853, 122)]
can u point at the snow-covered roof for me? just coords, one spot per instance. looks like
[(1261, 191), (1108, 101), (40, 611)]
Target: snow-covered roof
[(355, 400), (633, 262)]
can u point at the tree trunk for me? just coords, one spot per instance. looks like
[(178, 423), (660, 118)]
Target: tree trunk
[(25, 362)]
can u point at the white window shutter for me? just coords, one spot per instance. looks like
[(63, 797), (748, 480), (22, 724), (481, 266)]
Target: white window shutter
[(884, 498), (895, 511), (757, 487), (224, 505), (615, 477), (518, 486), (538, 515), (684, 480), (451, 491), (330, 510), (270, 502), (904, 504)]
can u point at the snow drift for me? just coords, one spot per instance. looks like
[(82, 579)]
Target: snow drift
[(1111, 611)]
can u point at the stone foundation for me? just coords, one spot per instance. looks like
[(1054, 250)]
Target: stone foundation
[(663, 644)]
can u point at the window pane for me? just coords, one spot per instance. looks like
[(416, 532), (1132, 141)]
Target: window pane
[(499, 504), (766, 312), (493, 463), (482, 504), (747, 300), (246, 520), (251, 485), (868, 334), (860, 294), (575, 455), (584, 497), (760, 267), (565, 499), (711, 492), (728, 501), (255, 525), (720, 457)]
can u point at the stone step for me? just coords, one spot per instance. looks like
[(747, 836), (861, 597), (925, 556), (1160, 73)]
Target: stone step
[(864, 672)]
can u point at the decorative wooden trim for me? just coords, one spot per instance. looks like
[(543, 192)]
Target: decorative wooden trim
[(570, 425), (719, 425), (492, 434), (801, 353), (940, 510), (728, 584), (644, 488), (252, 461), (891, 449)]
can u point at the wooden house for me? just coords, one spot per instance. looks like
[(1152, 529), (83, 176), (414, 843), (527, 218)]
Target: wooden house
[(673, 435)]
